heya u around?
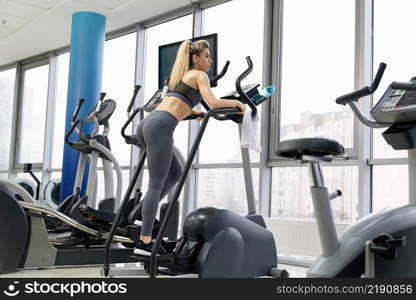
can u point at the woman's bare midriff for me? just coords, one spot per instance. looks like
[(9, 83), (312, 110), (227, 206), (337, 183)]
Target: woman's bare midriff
[(175, 106)]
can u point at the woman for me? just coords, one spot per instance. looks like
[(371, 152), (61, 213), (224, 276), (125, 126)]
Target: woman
[(188, 83)]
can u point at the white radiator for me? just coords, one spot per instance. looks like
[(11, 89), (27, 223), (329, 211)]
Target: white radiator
[(298, 237)]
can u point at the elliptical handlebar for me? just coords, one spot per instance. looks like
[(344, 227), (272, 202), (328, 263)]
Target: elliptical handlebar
[(137, 88), (74, 125), (221, 74), (93, 113), (211, 82), (240, 91), (129, 120), (83, 137), (75, 121), (77, 109), (365, 91)]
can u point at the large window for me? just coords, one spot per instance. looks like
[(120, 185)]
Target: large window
[(293, 217), (292, 200), (317, 67), (118, 83), (393, 22), (60, 111), (169, 32), (390, 186), (221, 142), (32, 117), (225, 188), (7, 82)]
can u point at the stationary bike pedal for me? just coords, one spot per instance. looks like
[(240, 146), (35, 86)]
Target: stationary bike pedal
[(386, 246), (396, 241)]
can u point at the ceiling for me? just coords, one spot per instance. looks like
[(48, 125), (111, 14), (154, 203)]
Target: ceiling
[(30, 27)]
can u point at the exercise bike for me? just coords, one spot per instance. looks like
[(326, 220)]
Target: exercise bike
[(381, 244)]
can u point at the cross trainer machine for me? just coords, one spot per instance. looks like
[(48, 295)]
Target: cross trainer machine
[(381, 244), (31, 244), (217, 242)]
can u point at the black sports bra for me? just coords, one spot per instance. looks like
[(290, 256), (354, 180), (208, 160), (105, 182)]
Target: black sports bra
[(186, 93)]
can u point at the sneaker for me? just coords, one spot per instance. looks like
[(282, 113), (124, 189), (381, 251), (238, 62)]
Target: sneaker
[(146, 249)]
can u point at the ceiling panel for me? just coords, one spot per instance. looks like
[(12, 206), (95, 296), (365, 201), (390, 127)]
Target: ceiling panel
[(20, 10), (48, 29), (110, 4), (4, 32), (46, 4), (12, 22)]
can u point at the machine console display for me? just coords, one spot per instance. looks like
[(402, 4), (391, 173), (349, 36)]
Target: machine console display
[(398, 99), (398, 104)]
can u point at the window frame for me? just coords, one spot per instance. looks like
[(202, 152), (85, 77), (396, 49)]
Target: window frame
[(18, 167), (17, 68)]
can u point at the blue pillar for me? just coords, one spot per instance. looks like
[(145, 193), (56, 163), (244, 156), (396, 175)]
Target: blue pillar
[(85, 73)]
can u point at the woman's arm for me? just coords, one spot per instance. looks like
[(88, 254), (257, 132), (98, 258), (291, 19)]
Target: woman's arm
[(206, 93)]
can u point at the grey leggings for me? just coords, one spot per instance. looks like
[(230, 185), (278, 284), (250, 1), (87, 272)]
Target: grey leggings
[(155, 133)]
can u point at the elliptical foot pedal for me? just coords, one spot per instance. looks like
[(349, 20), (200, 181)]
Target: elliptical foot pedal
[(146, 258)]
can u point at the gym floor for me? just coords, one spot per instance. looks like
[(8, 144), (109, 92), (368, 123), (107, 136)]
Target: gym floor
[(95, 272)]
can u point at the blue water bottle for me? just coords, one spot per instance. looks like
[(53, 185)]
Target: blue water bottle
[(268, 91)]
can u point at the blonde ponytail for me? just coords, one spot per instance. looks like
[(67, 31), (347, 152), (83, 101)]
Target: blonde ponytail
[(183, 60), (181, 64)]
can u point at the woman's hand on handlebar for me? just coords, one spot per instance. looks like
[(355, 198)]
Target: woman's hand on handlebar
[(241, 106), (197, 112)]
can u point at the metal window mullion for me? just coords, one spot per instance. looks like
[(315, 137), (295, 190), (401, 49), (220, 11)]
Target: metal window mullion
[(50, 170), (211, 3), (8, 67), (265, 172), (168, 16), (13, 140), (333, 163), (238, 165), (388, 161), (190, 194), (139, 78), (363, 76), (120, 32), (276, 77), (50, 119)]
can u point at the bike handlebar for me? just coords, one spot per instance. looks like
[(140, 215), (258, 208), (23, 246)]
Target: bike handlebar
[(365, 91)]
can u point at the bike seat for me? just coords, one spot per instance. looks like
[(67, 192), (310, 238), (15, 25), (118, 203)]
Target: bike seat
[(317, 147)]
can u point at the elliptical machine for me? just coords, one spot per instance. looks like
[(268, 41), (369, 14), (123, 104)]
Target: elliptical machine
[(50, 194), (91, 148), (381, 244), (36, 244), (216, 242)]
